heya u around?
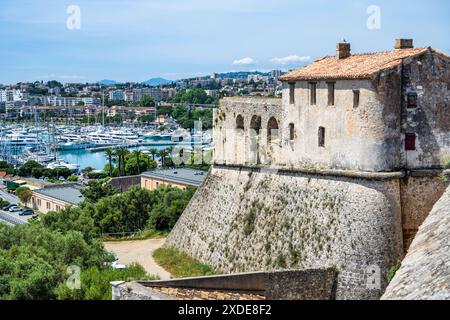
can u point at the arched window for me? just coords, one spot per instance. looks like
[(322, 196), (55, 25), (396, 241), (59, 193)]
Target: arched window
[(291, 132), (255, 124), (240, 122), (272, 130)]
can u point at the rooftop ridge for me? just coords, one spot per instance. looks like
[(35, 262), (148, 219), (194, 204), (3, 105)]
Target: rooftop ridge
[(356, 66)]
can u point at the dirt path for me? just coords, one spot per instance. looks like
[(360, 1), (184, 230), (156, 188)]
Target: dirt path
[(141, 252)]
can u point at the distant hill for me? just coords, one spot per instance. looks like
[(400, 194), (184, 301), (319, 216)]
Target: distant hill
[(108, 82), (157, 82)]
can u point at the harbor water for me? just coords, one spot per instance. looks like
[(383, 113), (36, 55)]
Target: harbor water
[(95, 159)]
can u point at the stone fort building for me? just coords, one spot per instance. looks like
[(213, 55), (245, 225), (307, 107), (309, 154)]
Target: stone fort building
[(340, 172)]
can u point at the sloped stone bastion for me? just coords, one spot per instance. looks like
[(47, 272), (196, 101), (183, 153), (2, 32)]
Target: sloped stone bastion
[(245, 220)]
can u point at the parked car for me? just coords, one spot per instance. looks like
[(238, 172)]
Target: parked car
[(27, 212), (115, 265), (34, 217), (14, 209), (6, 208)]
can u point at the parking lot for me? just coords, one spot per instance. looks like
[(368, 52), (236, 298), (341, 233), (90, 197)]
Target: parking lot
[(11, 218)]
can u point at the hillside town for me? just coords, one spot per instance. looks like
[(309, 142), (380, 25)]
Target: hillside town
[(267, 161), (22, 99)]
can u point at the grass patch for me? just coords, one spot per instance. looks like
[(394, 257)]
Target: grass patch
[(392, 271), (446, 161), (144, 235), (180, 265)]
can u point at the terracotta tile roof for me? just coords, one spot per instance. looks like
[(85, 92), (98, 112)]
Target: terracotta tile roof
[(357, 66)]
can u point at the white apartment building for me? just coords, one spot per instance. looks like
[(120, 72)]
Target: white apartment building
[(13, 95), (117, 95), (72, 101)]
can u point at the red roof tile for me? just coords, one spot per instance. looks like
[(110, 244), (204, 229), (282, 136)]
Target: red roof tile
[(357, 66)]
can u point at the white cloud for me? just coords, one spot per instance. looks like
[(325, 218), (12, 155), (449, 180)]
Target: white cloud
[(243, 61), (290, 60)]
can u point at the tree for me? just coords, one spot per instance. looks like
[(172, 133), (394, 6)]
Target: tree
[(96, 283), (137, 154), (26, 169), (162, 155), (164, 110), (110, 155), (147, 118), (8, 168), (121, 153), (72, 178), (54, 84), (24, 194), (170, 204), (194, 96), (146, 101), (87, 170), (97, 190), (34, 257), (153, 152), (132, 167)]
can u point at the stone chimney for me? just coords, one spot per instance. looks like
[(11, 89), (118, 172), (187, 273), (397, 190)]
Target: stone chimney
[(343, 50), (404, 44)]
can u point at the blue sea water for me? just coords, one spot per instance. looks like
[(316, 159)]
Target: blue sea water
[(96, 159)]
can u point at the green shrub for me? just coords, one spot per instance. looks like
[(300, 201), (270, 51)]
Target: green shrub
[(24, 194), (446, 162), (72, 178), (249, 222), (392, 271), (95, 282)]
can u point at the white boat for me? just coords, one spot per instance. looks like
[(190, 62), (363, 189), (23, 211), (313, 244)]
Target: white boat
[(62, 164), (19, 142), (124, 135), (75, 145)]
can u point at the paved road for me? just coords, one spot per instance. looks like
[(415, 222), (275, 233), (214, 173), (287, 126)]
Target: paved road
[(141, 252), (13, 218), (8, 197)]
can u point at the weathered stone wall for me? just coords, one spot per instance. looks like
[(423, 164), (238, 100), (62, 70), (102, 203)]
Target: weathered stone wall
[(425, 271), (367, 137), (419, 193), (364, 138), (122, 290), (428, 76), (122, 184), (244, 220), (241, 147), (310, 284)]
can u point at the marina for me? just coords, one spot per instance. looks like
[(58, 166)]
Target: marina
[(78, 147)]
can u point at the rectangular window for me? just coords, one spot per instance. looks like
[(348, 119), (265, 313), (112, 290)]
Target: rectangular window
[(313, 93), (331, 86), (321, 137), (410, 142), (292, 93), (412, 100), (355, 98), (48, 205), (291, 132)]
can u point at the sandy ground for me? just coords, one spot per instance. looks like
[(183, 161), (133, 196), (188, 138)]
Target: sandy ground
[(141, 252)]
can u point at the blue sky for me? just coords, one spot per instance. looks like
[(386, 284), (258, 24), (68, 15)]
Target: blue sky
[(134, 40)]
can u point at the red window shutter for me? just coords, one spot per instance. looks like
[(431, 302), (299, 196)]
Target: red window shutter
[(412, 100), (410, 142)]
